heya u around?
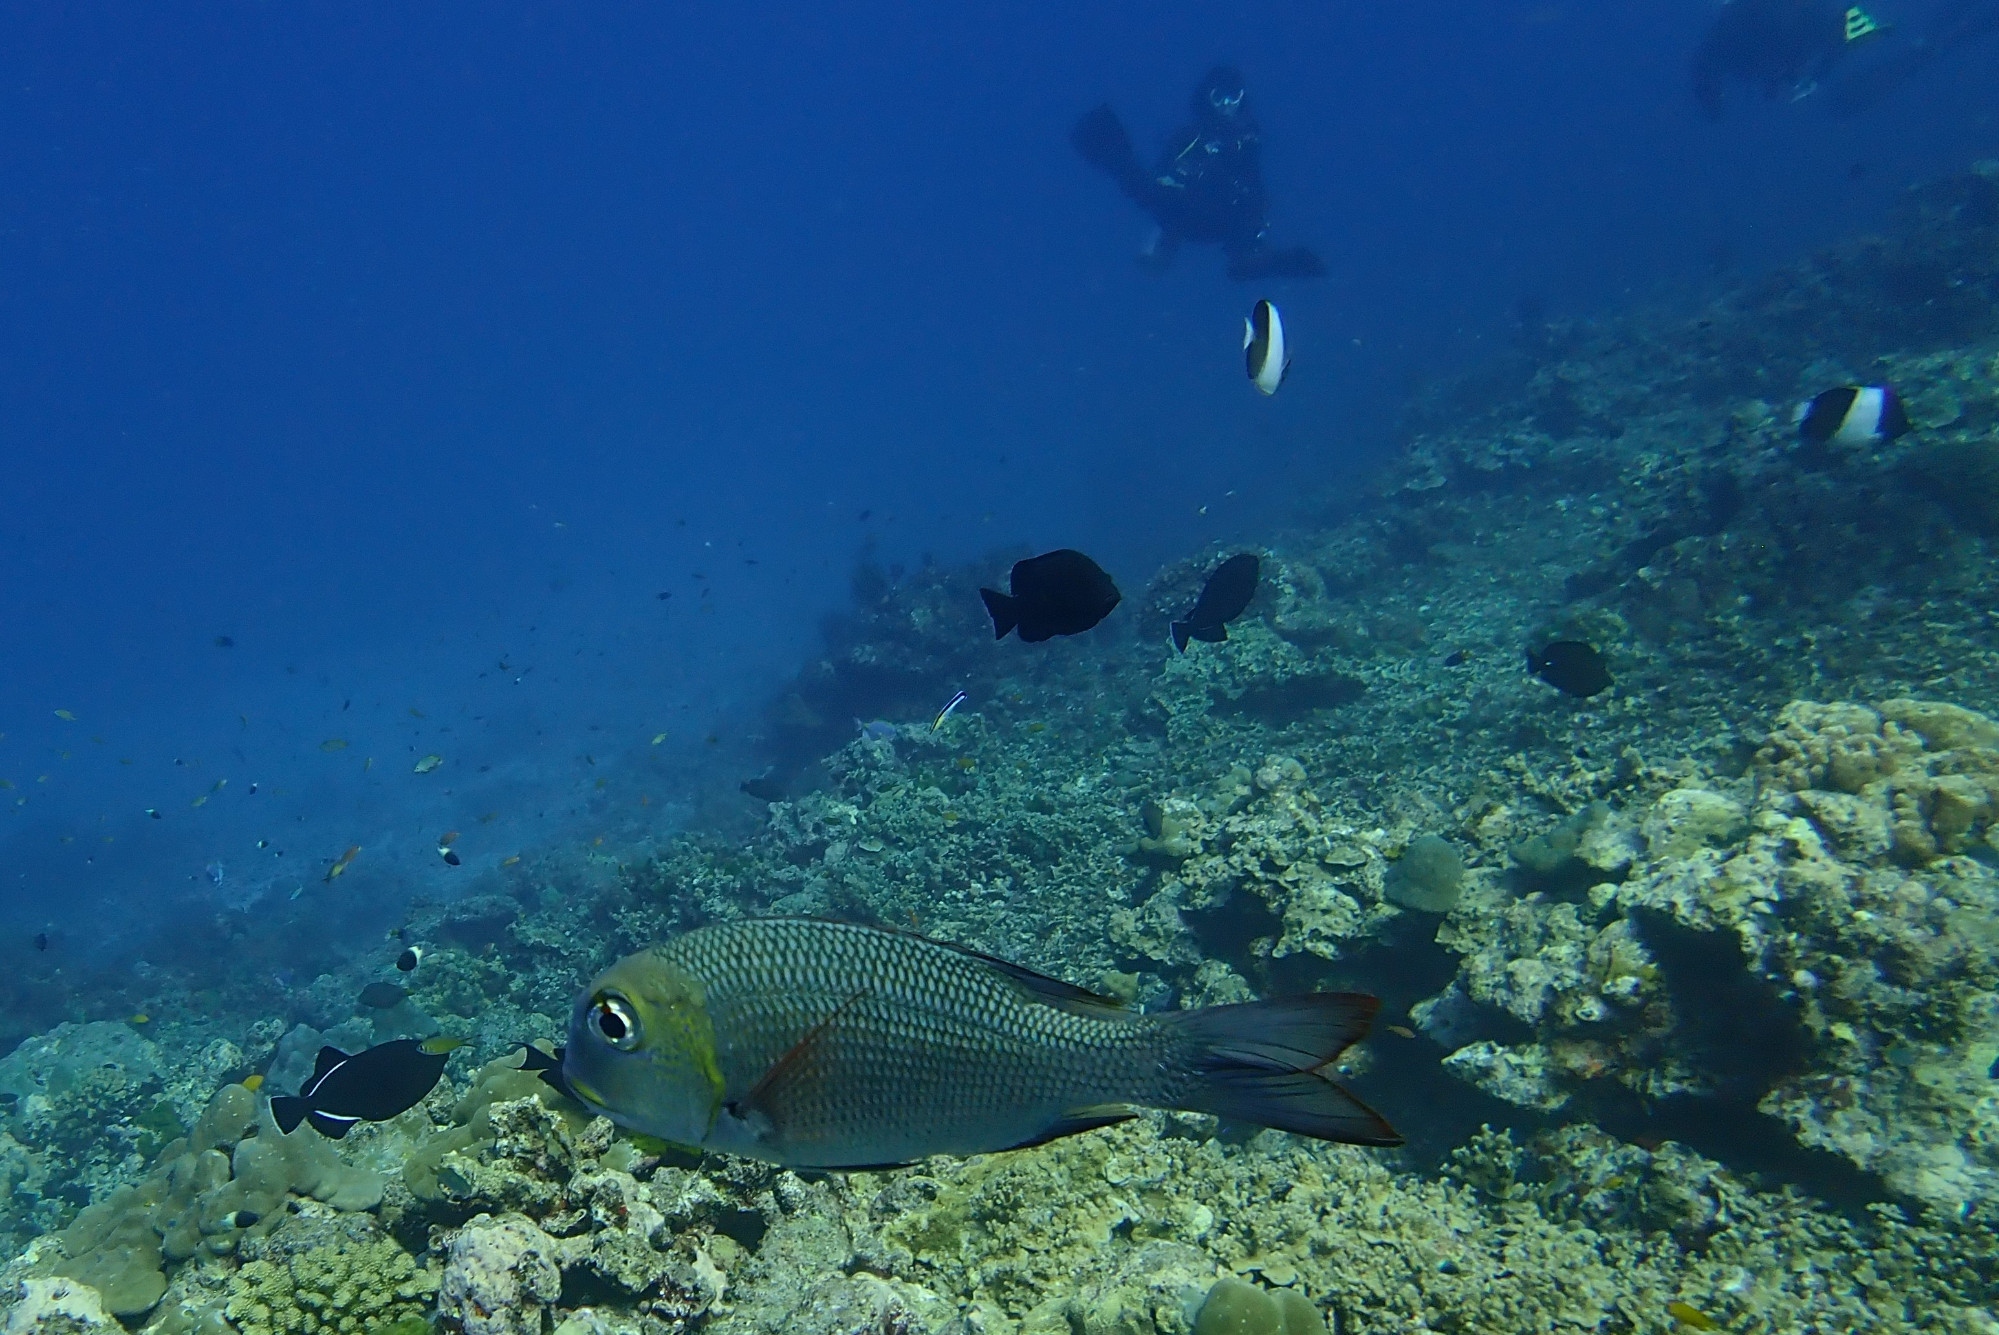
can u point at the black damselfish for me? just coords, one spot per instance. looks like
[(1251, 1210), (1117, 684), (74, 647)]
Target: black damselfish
[(1062, 592), (1572, 667), (1223, 599), (385, 1081)]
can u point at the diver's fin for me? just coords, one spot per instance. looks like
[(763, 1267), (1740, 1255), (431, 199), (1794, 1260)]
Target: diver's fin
[(1101, 139), (1180, 636), (1000, 607), (1854, 93), (1074, 1121), (288, 1112), (1259, 1061)]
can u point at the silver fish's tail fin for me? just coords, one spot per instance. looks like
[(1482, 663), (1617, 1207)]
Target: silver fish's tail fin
[(1000, 607), (288, 1112), (1262, 1062)]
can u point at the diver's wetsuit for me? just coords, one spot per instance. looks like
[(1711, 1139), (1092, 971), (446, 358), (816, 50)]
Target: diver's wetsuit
[(1792, 46), (1777, 46), (1951, 25), (1208, 185)]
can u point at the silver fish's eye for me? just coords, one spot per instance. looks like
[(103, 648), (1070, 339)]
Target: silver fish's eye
[(614, 1022)]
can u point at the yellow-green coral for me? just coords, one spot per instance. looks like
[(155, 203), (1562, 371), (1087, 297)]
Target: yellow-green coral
[(347, 1288)]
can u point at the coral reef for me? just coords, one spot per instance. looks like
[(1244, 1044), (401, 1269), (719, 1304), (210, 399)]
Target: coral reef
[(339, 1279), (1831, 909), (1690, 989)]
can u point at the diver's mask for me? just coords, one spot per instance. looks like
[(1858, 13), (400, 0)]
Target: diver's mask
[(1224, 101)]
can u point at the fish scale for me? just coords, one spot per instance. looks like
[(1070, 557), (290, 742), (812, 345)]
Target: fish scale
[(924, 1031)]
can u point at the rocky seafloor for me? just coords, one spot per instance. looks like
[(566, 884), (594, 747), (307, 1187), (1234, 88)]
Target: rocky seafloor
[(1691, 988)]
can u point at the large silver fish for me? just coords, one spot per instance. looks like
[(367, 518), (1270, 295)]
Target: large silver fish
[(832, 1045)]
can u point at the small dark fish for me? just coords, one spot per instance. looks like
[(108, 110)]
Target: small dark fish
[(1456, 658), (764, 788), (664, 595), (1223, 598), (1852, 415), (154, 812), (1572, 667), (244, 1219), (409, 959), (1062, 592), (41, 940), (385, 1081), (449, 856), (224, 642), (383, 996)]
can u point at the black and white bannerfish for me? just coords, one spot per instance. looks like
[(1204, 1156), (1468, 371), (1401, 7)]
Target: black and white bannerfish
[(1264, 349), (385, 1081), (1852, 415)]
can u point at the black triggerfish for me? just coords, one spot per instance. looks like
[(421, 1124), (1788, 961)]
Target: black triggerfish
[(1223, 599), (385, 1081), (1571, 667), (1062, 592), (818, 1044)]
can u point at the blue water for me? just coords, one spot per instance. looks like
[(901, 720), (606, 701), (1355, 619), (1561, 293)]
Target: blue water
[(418, 349)]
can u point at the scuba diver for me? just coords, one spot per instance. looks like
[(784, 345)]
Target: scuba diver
[(1953, 24), (1793, 46), (1207, 186)]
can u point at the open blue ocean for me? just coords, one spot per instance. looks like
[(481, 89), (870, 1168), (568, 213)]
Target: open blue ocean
[(488, 491)]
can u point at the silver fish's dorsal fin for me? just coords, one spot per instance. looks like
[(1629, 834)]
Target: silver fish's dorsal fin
[(1041, 987), (1049, 991)]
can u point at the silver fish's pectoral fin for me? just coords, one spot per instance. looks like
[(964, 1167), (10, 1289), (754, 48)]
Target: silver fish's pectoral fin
[(760, 1114)]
